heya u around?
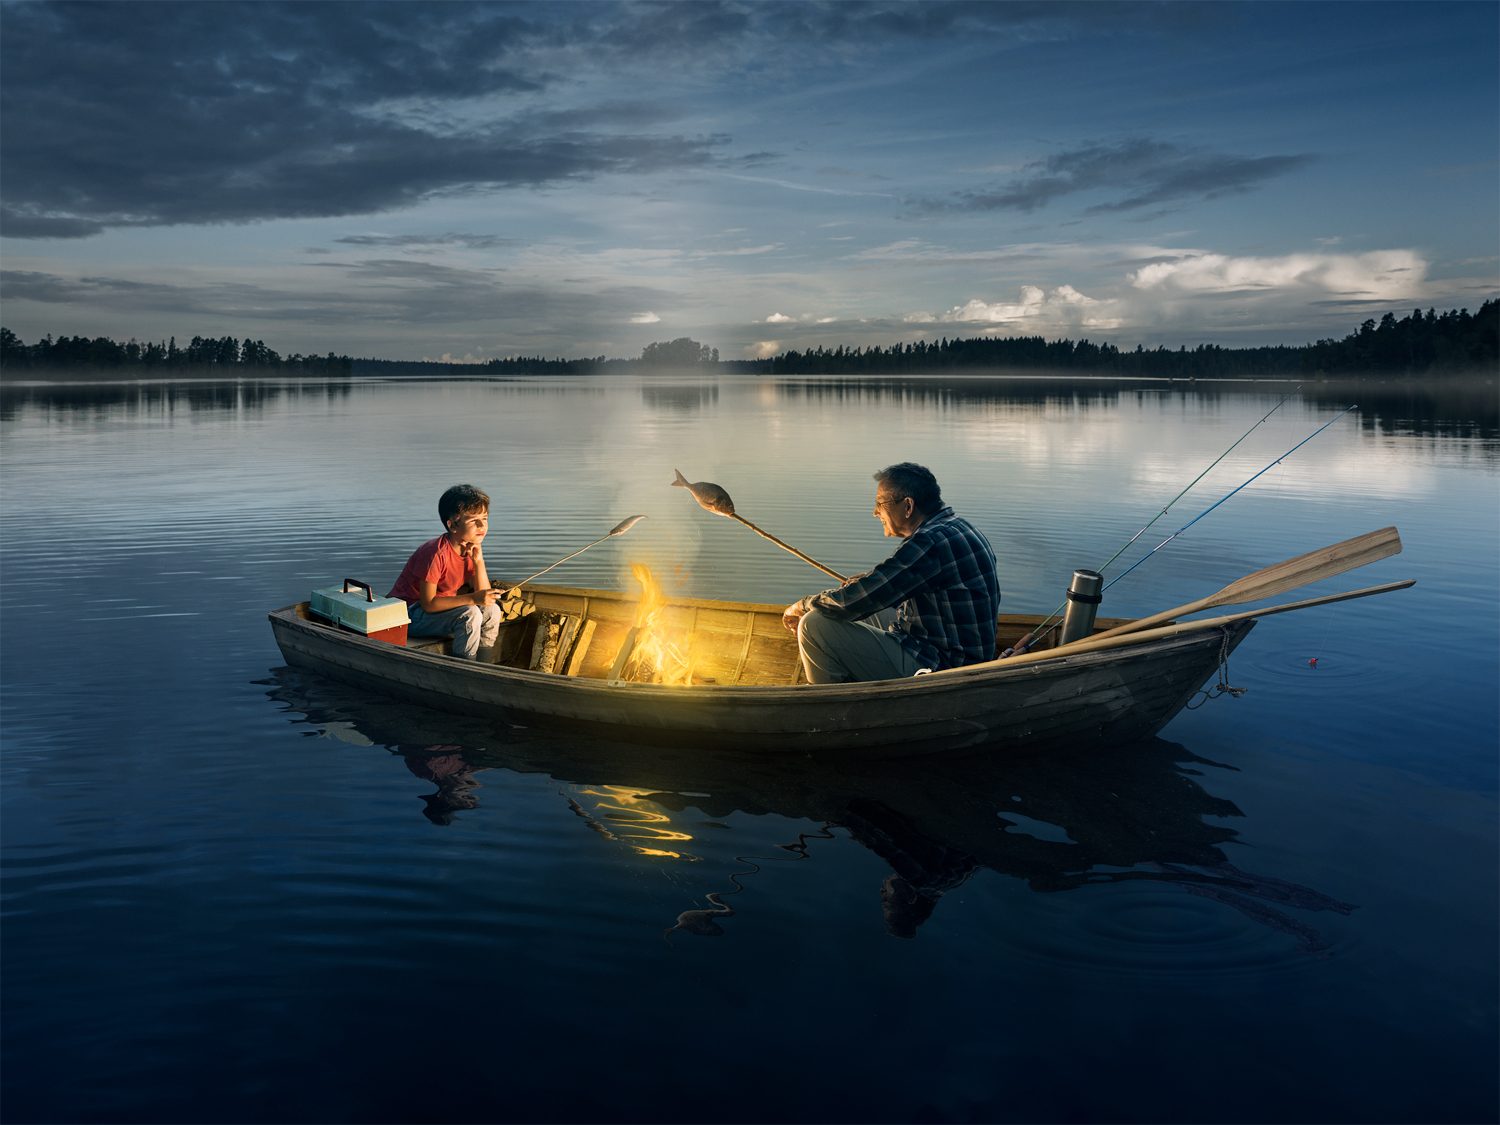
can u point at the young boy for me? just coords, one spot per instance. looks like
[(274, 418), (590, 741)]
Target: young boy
[(437, 570)]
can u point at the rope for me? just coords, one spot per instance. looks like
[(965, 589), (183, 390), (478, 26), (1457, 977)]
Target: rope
[(1222, 687)]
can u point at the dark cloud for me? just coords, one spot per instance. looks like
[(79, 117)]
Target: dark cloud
[(149, 114), (849, 174), (855, 20), (143, 114), (468, 241), (380, 291), (1148, 173)]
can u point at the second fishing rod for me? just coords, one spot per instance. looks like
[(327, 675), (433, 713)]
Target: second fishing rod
[(1088, 587)]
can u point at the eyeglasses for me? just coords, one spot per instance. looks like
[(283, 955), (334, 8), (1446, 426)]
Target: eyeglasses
[(886, 503)]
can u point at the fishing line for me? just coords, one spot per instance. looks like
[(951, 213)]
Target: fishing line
[(1313, 663), (1195, 480), (1176, 498), (1249, 482), (1205, 512)]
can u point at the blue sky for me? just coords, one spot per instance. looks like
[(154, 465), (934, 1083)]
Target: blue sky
[(471, 180)]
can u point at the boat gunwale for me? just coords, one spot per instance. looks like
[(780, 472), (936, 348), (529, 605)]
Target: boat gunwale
[(937, 683)]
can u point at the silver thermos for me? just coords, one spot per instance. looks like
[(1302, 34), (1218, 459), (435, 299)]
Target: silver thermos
[(1083, 603)]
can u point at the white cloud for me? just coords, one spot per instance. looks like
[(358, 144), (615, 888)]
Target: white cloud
[(1036, 310), (1032, 300), (1381, 275), (734, 251), (764, 349), (777, 318), (646, 318)]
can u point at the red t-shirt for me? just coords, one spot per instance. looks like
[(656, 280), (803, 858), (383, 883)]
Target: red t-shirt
[(437, 562)]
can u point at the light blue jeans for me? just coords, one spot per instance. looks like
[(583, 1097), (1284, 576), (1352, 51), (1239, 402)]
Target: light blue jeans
[(473, 627)]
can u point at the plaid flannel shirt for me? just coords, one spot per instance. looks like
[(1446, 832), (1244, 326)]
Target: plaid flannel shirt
[(943, 578)]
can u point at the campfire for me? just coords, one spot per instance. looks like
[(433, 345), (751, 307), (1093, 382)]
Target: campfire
[(653, 651)]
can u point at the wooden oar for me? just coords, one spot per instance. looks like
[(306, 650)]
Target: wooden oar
[(1279, 578), (1101, 641)]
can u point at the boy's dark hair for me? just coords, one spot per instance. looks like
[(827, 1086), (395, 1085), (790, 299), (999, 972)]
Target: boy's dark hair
[(910, 479), (460, 500)]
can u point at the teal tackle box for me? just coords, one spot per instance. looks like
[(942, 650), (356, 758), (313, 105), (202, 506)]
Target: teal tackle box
[(382, 619)]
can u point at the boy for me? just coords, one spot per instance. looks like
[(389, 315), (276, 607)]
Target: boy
[(439, 569)]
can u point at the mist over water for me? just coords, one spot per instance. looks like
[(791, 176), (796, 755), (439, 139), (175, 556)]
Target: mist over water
[(240, 893)]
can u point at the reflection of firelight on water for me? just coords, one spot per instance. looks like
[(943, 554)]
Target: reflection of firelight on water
[(627, 808)]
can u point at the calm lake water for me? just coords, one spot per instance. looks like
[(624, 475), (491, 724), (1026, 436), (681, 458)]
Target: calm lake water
[(237, 893)]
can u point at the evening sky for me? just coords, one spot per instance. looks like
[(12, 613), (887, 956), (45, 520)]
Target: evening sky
[(474, 180)]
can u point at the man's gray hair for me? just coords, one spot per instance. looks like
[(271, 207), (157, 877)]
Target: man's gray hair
[(909, 479)]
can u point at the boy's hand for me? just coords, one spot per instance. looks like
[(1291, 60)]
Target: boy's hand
[(488, 597)]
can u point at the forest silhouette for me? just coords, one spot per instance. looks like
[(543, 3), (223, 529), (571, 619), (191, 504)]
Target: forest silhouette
[(201, 355), (1421, 344)]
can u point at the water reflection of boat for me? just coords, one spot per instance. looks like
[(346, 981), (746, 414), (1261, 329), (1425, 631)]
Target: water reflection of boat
[(725, 675), (1060, 821)]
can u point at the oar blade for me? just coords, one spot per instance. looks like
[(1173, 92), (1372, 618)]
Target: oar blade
[(1311, 567)]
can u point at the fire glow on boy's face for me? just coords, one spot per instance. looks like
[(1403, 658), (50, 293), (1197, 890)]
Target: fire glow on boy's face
[(469, 528)]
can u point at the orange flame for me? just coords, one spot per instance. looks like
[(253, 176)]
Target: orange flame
[(662, 655)]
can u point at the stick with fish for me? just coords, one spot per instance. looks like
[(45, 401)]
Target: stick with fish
[(712, 498)]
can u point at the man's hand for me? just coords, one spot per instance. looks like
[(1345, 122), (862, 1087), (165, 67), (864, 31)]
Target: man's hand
[(792, 616)]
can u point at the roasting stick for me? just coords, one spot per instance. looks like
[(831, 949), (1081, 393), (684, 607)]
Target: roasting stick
[(712, 498), (786, 547), (619, 529)]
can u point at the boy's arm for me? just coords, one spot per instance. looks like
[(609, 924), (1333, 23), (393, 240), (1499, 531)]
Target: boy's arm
[(431, 603), (481, 576)]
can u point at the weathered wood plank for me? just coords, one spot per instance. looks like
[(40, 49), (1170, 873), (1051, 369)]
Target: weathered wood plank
[(581, 648), (627, 648)]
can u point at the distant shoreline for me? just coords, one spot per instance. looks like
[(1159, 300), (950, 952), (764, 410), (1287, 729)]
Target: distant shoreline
[(34, 377)]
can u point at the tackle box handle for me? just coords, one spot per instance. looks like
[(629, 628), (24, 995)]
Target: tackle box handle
[(365, 586)]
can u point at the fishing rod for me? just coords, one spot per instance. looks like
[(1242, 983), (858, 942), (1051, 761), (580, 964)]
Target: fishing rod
[(1174, 500), (1205, 512), (1038, 635), (1196, 479)]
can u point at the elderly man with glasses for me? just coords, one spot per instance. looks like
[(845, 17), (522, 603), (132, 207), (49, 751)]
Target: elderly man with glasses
[(942, 577)]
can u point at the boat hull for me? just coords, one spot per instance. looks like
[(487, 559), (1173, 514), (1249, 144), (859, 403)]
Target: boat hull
[(1115, 696)]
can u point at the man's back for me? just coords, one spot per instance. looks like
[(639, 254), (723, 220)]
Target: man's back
[(943, 578)]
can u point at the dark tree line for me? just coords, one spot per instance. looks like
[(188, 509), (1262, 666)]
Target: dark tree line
[(1036, 352), (681, 352), (1415, 344), (1418, 345), (80, 352)]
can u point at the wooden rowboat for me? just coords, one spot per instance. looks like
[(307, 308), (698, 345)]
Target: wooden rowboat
[(570, 658)]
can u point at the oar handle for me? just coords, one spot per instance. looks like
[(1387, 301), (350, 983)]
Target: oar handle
[(788, 547)]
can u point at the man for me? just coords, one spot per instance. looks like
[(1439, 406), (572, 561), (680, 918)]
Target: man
[(942, 576)]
